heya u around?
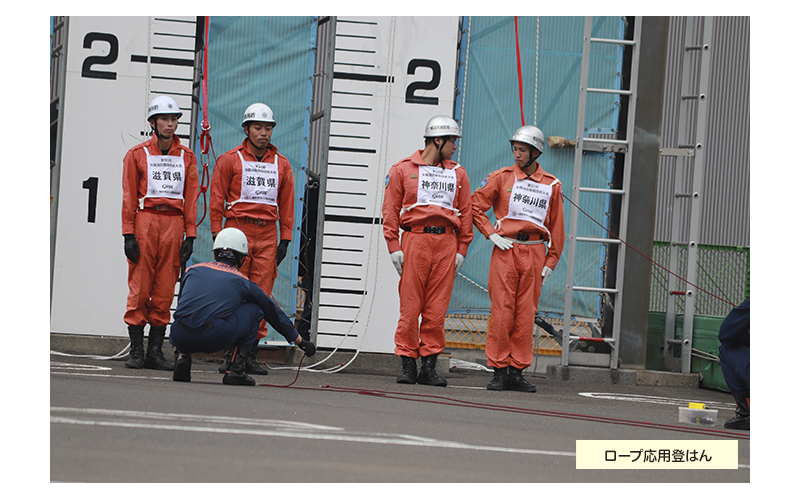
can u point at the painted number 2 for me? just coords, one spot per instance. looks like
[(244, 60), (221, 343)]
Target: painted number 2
[(110, 58), (411, 97)]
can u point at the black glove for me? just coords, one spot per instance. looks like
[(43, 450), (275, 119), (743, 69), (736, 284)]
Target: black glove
[(186, 249), (282, 250), (131, 248), (308, 347)]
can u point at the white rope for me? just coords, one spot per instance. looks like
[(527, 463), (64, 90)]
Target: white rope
[(121, 354), (536, 77), (704, 355), (376, 207)]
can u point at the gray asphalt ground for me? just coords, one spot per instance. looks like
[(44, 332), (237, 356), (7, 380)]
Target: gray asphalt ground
[(109, 424)]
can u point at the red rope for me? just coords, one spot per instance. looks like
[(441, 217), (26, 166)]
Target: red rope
[(444, 400), (205, 134), (519, 72), (296, 375), (645, 256)]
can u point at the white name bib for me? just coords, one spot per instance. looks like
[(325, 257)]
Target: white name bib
[(165, 176), (529, 201), (259, 182), (437, 186)]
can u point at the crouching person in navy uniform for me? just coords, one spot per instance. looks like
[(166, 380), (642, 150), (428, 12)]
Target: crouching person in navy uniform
[(219, 307), (734, 359)]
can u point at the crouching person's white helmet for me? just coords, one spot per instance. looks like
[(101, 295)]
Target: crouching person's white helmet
[(231, 238)]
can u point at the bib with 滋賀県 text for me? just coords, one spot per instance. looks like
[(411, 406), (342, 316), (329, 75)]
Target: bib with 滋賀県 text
[(259, 182), (165, 176), (529, 201), (436, 186)]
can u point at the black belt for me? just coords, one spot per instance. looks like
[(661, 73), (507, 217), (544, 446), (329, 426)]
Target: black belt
[(429, 229), (163, 209), (205, 326), (523, 237), (258, 222)]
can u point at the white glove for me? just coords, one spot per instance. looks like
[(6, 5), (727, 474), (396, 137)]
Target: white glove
[(500, 242), (545, 274), (459, 261), (397, 261)]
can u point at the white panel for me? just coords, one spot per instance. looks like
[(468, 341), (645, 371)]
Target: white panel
[(373, 126), (104, 113)]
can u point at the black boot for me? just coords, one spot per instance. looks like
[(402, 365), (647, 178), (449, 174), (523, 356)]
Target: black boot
[(236, 374), (226, 359), (742, 418), (136, 333), (251, 363), (409, 375), (500, 379), (154, 359), (516, 382), (427, 373), (183, 367)]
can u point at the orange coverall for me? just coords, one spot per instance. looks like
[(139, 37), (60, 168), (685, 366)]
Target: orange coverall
[(515, 275), (159, 229), (429, 259), (259, 222)]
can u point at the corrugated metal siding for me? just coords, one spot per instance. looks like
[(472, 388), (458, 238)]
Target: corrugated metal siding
[(726, 184)]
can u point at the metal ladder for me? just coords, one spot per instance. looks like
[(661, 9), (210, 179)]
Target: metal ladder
[(689, 146), (603, 145)]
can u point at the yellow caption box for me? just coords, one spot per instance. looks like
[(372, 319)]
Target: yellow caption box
[(656, 454)]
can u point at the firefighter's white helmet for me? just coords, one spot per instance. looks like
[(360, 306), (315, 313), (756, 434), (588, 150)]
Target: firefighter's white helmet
[(163, 105), (259, 112), (441, 126), (529, 135)]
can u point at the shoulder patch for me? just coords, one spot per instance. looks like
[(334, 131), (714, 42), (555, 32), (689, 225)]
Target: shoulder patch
[(386, 182), (484, 182)]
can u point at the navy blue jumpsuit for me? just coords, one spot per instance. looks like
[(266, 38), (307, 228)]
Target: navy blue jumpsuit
[(734, 351), (218, 306)]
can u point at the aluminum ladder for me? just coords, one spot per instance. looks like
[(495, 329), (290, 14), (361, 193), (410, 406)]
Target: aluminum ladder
[(691, 145), (618, 145)]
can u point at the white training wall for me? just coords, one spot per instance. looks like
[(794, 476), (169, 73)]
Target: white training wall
[(391, 75), (114, 67)]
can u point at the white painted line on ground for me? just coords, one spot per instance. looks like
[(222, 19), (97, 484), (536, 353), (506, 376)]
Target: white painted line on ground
[(252, 427), (73, 366), (638, 398)]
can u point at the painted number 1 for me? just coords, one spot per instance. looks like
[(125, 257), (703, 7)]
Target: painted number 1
[(91, 185)]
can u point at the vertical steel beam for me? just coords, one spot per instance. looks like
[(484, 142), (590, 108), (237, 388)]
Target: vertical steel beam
[(324, 58), (644, 130)]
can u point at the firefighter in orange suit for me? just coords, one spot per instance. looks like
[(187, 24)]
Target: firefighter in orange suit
[(159, 207), (427, 196), (252, 188), (528, 238)]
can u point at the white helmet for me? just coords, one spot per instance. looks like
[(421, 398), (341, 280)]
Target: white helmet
[(163, 105), (441, 125), (231, 238), (258, 112), (529, 135)]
